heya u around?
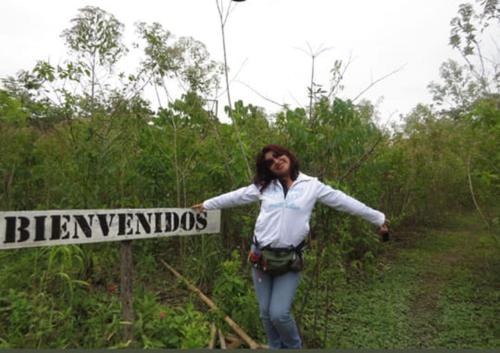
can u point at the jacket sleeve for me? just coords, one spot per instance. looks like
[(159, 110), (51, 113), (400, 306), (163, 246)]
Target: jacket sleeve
[(241, 196), (342, 202)]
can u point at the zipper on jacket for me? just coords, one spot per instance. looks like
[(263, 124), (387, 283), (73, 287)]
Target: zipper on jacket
[(283, 209)]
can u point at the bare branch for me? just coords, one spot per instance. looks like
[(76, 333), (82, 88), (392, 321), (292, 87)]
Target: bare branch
[(230, 105), (169, 99), (282, 105), (220, 9), (333, 88), (310, 48), (229, 11), (158, 96), (377, 81), (233, 78), (302, 50), (296, 100), (313, 55)]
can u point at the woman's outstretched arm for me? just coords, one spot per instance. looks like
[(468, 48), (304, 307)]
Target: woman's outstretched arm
[(345, 203), (241, 196)]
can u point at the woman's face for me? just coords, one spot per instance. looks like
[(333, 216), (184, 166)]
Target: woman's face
[(278, 164)]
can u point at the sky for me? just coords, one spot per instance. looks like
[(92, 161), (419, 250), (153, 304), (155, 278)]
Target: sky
[(266, 40)]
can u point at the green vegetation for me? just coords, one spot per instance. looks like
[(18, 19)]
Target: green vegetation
[(81, 135), (434, 288)]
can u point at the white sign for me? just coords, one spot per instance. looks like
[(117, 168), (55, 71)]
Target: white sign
[(21, 229)]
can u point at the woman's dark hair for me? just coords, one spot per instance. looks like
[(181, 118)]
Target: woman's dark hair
[(263, 176)]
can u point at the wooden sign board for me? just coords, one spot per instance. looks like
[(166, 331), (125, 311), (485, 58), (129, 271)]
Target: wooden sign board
[(22, 229)]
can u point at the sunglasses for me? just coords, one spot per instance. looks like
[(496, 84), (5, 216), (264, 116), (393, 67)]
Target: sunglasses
[(270, 162)]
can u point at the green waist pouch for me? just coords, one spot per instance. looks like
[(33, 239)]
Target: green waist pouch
[(279, 261)]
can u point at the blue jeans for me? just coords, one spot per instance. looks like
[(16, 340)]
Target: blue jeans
[(275, 296)]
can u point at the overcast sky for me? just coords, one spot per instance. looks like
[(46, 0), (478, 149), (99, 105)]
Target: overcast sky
[(263, 37)]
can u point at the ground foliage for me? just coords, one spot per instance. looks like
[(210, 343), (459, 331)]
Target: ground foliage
[(104, 147)]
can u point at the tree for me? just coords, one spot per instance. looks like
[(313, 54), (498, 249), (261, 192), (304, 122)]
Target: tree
[(96, 40), (479, 76), (458, 89), (198, 70)]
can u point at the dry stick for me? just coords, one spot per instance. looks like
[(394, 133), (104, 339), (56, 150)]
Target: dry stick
[(358, 162), (222, 340), (233, 342), (473, 195), (239, 331), (213, 336)]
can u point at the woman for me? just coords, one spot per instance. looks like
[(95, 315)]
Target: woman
[(287, 199)]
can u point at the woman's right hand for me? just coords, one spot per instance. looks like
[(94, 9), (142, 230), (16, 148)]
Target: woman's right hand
[(198, 207)]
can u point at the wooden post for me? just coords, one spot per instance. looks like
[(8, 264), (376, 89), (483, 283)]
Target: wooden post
[(126, 293)]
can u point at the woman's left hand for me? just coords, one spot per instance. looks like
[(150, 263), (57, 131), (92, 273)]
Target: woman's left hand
[(384, 228), (383, 231)]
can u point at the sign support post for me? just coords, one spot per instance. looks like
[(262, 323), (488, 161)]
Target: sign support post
[(25, 229), (126, 290)]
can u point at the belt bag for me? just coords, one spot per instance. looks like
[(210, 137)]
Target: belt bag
[(279, 261)]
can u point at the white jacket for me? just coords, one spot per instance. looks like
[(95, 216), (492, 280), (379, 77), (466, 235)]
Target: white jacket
[(284, 221)]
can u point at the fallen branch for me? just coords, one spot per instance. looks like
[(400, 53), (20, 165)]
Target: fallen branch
[(222, 340), (237, 329), (213, 336)]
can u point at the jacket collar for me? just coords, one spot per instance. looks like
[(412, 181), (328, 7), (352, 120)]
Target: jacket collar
[(301, 177)]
